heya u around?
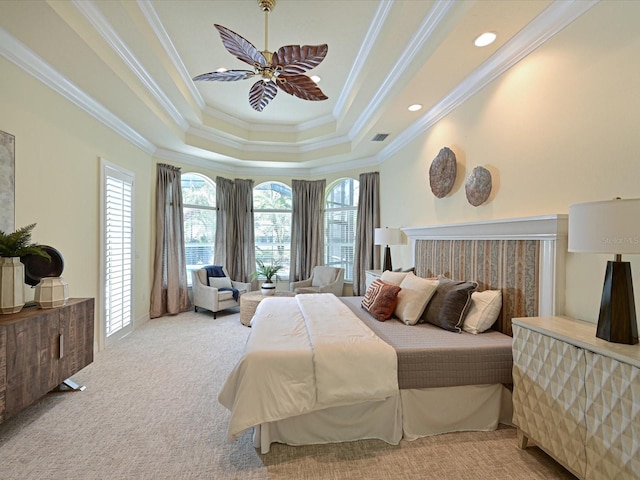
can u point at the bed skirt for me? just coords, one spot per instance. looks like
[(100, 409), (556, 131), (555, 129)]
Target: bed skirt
[(410, 415)]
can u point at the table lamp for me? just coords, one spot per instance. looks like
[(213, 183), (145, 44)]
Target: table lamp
[(610, 226), (388, 236)]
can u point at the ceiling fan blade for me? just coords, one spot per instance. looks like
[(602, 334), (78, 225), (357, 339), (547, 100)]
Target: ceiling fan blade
[(227, 76), (261, 94), (300, 86), (296, 59), (242, 48)]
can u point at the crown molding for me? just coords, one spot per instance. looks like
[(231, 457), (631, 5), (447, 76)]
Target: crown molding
[(422, 36), (163, 37), (363, 56), (24, 58), (106, 31), (551, 21)]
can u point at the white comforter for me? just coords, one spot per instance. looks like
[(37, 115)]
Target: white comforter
[(305, 354)]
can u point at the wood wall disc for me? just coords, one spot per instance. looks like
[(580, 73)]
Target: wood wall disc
[(442, 173), (478, 186)]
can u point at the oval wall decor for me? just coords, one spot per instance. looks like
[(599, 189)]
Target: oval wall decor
[(442, 173), (478, 186)]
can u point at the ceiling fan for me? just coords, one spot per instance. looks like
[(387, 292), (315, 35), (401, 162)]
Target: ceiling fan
[(283, 69)]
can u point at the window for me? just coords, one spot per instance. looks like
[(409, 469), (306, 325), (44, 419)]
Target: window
[(117, 242), (199, 211), (272, 220), (341, 209)]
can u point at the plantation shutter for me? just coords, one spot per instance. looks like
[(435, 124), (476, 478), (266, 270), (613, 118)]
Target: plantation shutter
[(118, 243)]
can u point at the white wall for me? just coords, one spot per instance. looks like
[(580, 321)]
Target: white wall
[(57, 178), (560, 127)]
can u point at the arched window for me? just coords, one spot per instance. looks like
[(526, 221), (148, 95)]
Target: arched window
[(341, 209), (272, 221), (199, 211)]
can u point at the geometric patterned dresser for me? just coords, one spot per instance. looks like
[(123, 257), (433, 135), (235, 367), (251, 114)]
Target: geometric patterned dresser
[(577, 396)]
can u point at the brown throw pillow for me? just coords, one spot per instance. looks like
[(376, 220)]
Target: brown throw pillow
[(449, 304), (381, 299)]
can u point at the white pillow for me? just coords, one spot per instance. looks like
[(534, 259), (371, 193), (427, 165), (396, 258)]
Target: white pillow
[(220, 282), (413, 297), (394, 278), (483, 312)]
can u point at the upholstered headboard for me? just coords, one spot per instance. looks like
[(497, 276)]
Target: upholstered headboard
[(524, 258)]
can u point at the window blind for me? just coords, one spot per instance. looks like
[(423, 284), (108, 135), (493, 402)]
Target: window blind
[(118, 243)]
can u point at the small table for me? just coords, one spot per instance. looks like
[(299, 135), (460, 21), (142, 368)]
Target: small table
[(249, 302)]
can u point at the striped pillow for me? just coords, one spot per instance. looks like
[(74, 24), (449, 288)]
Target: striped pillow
[(381, 299)]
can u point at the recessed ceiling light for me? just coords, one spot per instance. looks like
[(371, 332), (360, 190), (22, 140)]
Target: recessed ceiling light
[(221, 69), (315, 78), (485, 39), (415, 107)]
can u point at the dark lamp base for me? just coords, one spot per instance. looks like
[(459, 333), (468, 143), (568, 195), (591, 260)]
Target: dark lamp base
[(617, 320), (387, 259)]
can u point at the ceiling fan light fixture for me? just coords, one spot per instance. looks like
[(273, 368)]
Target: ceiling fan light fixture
[(315, 78), (283, 69), (484, 39)]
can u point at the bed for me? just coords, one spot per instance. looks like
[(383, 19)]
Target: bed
[(403, 381)]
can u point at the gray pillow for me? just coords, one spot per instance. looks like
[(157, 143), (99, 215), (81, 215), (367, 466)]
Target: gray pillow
[(448, 306)]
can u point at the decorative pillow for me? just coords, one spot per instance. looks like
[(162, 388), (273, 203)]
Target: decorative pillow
[(413, 298), (394, 278), (220, 282), (449, 304), (381, 299), (483, 311)]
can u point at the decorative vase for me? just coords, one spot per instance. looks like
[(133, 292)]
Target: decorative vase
[(268, 288), (51, 292), (11, 285)]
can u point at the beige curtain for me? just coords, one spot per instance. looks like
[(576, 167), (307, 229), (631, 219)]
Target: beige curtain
[(169, 289), (307, 227), (244, 260), (224, 249), (235, 245), (366, 254)]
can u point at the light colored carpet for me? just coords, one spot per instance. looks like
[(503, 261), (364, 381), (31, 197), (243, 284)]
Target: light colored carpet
[(150, 411)]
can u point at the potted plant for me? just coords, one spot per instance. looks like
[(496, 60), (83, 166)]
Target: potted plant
[(267, 271), (12, 247)]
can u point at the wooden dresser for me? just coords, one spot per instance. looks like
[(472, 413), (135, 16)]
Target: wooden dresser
[(40, 349), (577, 396)]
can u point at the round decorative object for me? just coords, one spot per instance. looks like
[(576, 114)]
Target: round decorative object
[(442, 173), (268, 288), (36, 267), (478, 186)]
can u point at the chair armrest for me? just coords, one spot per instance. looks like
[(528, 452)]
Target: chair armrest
[(299, 284), (241, 286), (333, 287)]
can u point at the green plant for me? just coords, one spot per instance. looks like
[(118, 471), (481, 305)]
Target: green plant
[(18, 244), (268, 271)]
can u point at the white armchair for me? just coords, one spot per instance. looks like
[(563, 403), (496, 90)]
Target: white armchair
[(210, 297), (322, 280)]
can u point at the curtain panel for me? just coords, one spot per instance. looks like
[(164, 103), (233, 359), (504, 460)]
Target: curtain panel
[(235, 245), (169, 294), (366, 254), (307, 227), (224, 222)]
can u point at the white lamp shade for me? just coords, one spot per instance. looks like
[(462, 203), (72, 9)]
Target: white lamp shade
[(388, 236), (610, 226)]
